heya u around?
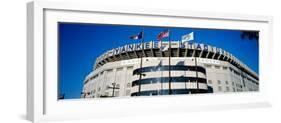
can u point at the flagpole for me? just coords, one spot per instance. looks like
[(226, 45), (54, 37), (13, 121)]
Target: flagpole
[(196, 70), (140, 77), (170, 91), (160, 50), (196, 67)]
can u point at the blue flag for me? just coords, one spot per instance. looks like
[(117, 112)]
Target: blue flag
[(135, 37)]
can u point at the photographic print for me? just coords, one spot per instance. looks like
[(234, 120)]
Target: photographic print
[(114, 61)]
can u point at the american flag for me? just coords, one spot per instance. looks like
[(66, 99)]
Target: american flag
[(163, 34)]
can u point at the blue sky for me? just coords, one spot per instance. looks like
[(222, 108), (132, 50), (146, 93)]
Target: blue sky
[(80, 44)]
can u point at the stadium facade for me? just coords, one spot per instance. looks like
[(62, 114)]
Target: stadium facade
[(185, 68)]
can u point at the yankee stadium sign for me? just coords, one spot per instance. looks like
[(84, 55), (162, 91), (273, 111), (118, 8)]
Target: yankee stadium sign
[(161, 45)]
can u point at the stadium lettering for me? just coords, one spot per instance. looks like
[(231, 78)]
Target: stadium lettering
[(155, 44), (198, 47), (123, 49), (138, 46), (181, 45), (147, 45), (205, 47), (130, 47), (190, 45), (116, 51)]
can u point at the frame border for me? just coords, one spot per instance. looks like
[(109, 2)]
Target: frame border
[(35, 39)]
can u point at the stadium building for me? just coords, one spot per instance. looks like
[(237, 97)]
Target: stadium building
[(155, 69)]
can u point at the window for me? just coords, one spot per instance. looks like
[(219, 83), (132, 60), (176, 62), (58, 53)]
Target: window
[(99, 88), (208, 66), (128, 92), (219, 88), (219, 82), (128, 85), (106, 94), (226, 82), (116, 93), (167, 68), (224, 68), (130, 68), (119, 69), (117, 86), (232, 83), (210, 81), (166, 79), (233, 89), (107, 87), (109, 70), (217, 67), (87, 81), (227, 89)]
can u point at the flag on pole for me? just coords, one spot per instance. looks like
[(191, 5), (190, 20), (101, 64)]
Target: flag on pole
[(163, 34), (136, 37), (187, 37)]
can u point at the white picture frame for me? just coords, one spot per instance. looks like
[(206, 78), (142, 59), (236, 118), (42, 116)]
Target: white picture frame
[(42, 103)]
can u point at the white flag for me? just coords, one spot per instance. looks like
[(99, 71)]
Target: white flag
[(187, 37)]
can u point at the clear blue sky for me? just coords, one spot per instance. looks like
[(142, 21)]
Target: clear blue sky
[(80, 44)]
